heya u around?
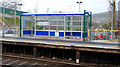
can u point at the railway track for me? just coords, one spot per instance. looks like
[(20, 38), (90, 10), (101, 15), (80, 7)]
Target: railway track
[(15, 61)]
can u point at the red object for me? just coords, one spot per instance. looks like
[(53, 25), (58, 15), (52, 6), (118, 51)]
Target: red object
[(42, 57), (99, 36)]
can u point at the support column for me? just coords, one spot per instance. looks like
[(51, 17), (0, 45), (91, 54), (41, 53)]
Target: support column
[(24, 52), (34, 51), (14, 49), (90, 24), (49, 27), (57, 27), (84, 24), (3, 49), (63, 55), (64, 26), (31, 28), (35, 27), (77, 57), (81, 20), (71, 26), (20, 24), (49, 53)]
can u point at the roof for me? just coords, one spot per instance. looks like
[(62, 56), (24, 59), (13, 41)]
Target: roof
[(10, 11), (36, 14)]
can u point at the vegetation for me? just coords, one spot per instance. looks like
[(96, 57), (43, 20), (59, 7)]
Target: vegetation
[(10, 21), (106, 26)]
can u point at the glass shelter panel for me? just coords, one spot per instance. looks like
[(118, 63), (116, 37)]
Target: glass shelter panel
[(66, 25), (27, 22)]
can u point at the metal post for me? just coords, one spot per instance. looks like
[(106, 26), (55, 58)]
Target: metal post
[(84, 23), (20, 24), (64, 26), (63, 55), (81, 27), (87, 29), (79, 4), (34, 51), (3, 34), (112, 26), (31, 28), (49, 27), (57, 26), (79, 7), (71, 26), (68, 21), (37, 6), (5, 49), (114, 6), (90, 24), (15, 17), (35, 27), (49, 53)]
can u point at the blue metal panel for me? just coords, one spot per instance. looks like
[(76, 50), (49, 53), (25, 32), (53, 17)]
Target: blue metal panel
[(52, 33), (67, 34), (43, 33), (79, 34), (61, 34), (76, 34), (85, 35), (26, 32), (48, 14), (33, 32)]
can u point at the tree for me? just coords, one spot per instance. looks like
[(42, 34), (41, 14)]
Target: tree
[(105, 26)]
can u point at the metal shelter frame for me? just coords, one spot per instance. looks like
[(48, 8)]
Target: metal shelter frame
[(67, 19)]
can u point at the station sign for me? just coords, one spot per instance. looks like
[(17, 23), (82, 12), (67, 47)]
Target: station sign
[(42, 22)]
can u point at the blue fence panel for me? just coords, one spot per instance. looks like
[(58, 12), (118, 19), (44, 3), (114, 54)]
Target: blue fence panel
[(76, 34), (85, 35), (26, 32), (33, 32), (52, 33), (67, 34), (43, 33), (61, 34)]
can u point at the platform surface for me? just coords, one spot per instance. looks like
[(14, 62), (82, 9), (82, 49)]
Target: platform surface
[(105, 45)]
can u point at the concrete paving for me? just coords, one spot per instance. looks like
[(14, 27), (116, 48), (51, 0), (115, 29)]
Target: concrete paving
[(97, 44)]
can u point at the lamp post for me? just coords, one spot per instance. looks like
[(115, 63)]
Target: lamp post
[(79, 5), (112, 23), (80, 19), (20, 18), (3, 19), (4, 4), (15, 8)]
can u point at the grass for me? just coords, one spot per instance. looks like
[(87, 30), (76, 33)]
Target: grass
[(11, 21)]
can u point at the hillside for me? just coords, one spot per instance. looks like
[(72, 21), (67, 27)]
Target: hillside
[(103, 17)]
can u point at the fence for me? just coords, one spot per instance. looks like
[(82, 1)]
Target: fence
[(102, 34)]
